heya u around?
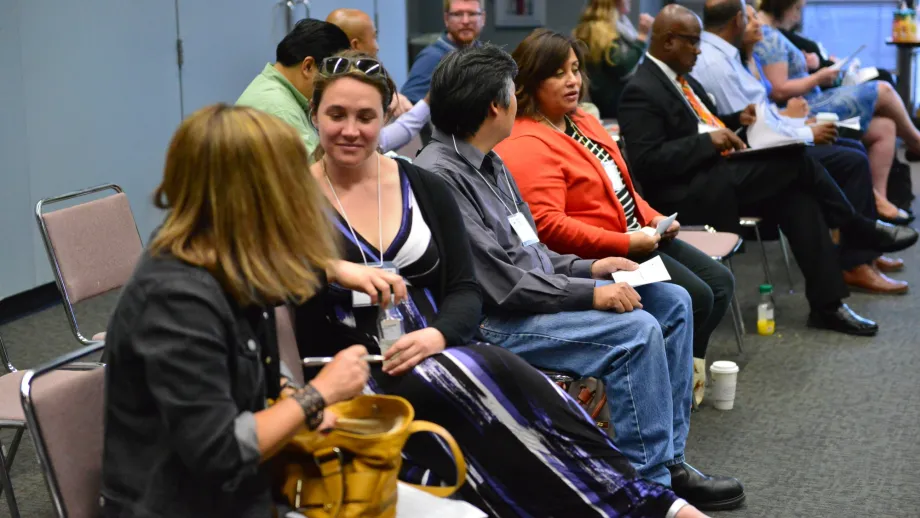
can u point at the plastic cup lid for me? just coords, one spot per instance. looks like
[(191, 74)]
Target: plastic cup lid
[(724, 367)]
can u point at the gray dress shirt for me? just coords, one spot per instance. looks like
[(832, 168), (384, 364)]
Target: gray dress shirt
[(514, 277)]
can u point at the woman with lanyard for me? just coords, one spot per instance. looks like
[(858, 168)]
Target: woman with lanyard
[(579, 189), (531, 451)]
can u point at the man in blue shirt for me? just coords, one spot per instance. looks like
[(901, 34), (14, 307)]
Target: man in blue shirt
[(732, 86), (463, 20)]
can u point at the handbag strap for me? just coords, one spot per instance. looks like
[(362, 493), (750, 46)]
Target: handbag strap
[(459, 461), (331, 466)]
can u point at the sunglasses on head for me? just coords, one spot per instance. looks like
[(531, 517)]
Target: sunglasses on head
[(336, 65)]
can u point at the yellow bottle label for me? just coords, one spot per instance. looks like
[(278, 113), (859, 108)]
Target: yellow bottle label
[(766, 327)]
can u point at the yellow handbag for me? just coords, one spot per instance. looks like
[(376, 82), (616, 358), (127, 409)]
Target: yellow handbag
[(351, 471)]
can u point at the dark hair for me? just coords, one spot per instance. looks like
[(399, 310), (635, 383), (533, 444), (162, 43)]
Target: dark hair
[(719, 14), (311, 38), (776, 8), (381, 82), (538, 57), (465, 83)]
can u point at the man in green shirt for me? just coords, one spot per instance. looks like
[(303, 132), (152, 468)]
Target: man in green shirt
[(284, 89)]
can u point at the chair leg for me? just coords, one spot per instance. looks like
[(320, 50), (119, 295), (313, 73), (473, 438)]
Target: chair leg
[(735, 305), (784, 245), (763, 255), (738, 324), (7, 484), (10, 454)]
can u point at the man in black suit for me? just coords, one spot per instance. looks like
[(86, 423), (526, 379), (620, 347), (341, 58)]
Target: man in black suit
[(681, 153)]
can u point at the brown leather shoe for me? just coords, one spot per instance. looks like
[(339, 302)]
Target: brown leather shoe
[(869, 279), (889, 264)]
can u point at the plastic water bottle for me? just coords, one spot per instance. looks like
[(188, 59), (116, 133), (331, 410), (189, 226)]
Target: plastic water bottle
[(765, 323), (390, 327)]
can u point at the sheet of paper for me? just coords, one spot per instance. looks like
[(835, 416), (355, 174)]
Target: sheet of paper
[(769, 130), (414, 503), (852, 123), (665, 223), (650, 271), (843, 63)]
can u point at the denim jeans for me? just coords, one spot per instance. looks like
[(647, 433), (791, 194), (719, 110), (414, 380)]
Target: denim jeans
[(644, 358)]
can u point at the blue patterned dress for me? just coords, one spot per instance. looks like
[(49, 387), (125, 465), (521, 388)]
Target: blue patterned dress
[(845, 101)]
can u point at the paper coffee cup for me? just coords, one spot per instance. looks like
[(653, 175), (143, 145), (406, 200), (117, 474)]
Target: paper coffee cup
[(827, 117), (724, 380)]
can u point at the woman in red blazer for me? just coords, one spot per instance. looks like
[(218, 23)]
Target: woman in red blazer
[(578, 187)]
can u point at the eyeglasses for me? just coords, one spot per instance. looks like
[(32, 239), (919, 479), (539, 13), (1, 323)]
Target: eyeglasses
[(464, 14), (336, 65), (692, 40)]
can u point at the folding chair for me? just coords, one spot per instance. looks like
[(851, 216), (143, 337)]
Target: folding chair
[(721, 246), (93, 247), (287, 343), (12, 416), (65, 421), (754, 222)]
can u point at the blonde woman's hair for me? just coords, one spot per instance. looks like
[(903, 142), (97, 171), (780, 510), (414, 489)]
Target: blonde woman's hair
[(242, 204), (597, 28)]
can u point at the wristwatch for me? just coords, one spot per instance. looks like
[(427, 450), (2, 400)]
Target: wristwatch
[(312, 403)]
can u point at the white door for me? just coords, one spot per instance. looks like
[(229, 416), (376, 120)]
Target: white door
[(225, 44), (99, 96)]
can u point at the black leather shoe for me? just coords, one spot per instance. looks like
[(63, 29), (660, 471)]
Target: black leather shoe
[(883, 237), (706, 493), (843, 320)]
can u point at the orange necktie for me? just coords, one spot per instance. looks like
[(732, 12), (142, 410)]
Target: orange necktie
[(706, 116)]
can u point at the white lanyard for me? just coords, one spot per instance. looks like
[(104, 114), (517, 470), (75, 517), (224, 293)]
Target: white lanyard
[(488, 183), (345, 216)]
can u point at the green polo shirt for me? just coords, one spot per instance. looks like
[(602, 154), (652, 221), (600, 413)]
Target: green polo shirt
[(272, 93)]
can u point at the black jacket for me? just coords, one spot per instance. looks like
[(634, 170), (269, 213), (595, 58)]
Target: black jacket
[(458, 297), (184, 362), (667, 154)]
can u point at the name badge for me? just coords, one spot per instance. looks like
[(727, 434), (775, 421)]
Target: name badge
[(613, 172), (522, 228), (359, 299)]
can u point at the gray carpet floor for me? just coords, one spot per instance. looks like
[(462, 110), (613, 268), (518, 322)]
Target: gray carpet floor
[(824, 425)]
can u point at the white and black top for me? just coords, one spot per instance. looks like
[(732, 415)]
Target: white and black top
[(623, 195), (413, 252)]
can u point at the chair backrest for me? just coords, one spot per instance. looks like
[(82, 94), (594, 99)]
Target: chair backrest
[(287, 343), (65, 421), (93, 247)]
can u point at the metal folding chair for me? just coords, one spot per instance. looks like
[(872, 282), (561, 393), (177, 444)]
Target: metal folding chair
[(721, 246), (288, 352), (754, 222), (65, 421), (12, 416), (93, 247)]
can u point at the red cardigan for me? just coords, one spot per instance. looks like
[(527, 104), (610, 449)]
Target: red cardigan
[(570, 195)]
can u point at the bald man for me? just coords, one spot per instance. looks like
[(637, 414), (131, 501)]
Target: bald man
[(359, 27), (362, 36), (684, 156)]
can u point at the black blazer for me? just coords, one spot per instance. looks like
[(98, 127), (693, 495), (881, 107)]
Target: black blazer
[(666, 152), (457, 295)]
